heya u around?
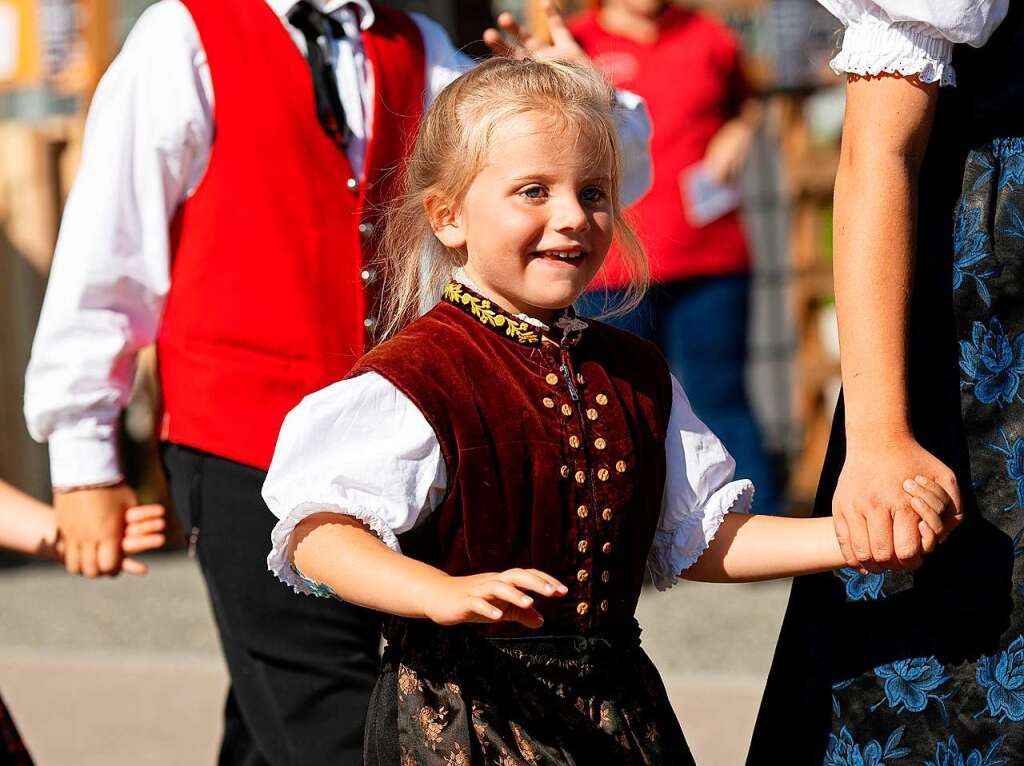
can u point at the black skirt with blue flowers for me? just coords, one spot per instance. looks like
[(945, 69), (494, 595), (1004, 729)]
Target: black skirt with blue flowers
[(12, 749), (928, 668)]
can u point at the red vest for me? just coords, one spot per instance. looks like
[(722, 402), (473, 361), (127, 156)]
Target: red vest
[(555, 455), (269, 279)]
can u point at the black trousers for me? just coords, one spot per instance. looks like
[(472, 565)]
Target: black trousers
[(302, 668)]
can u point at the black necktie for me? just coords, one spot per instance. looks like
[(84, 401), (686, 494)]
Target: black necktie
[(318, 29)]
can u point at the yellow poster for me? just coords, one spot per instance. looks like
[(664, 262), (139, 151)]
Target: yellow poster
[(21, 62), (43, 43)]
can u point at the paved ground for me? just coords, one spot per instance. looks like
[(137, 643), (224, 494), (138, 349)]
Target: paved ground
[(128, 671)]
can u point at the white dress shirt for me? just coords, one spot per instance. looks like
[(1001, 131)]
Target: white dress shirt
[(911, 37), (147, 142), (361, 448)]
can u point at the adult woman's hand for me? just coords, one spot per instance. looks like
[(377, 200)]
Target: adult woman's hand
[(876, 527)]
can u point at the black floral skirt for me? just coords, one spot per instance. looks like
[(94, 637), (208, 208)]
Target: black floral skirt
[(928, 668), (450, 697), (12, 750)]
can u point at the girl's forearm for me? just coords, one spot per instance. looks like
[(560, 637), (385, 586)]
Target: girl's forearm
[(885, 133), (749, 548), (343, 554), (26, 524)]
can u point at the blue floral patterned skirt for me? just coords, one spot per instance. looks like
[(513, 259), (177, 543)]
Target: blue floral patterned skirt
[(928, 668)]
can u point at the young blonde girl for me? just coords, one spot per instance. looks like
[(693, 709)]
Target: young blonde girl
[(499, 475)]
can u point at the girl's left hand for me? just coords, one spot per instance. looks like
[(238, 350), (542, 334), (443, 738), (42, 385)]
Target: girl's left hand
[(563, 45)]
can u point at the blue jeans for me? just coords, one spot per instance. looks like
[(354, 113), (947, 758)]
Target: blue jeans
[(701, 326)]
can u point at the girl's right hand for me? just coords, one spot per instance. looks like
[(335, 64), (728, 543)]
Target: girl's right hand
[(491, 597), (876, 526)]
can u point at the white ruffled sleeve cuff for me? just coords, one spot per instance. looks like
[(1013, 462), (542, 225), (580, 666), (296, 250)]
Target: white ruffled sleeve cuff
[(872, 47), (279, 562), (675, 550)]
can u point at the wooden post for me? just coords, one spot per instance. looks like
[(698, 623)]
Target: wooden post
[(100, 17)]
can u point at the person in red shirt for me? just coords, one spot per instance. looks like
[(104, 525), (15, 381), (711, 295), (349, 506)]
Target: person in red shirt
[(688, 67)]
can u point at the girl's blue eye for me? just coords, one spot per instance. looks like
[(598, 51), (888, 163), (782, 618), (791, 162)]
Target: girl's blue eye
[(533, 192), (592, 194)]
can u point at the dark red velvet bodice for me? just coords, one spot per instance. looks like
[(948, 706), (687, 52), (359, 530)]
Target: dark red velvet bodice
[(555, 452)]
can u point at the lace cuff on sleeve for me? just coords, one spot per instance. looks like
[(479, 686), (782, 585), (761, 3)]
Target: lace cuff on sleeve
[(677, 549), (279, 563), (872, 47)]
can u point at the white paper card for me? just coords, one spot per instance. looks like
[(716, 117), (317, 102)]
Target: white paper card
[(704, 199)]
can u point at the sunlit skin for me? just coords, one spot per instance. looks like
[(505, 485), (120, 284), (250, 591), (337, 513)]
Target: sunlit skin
[(540, 197)]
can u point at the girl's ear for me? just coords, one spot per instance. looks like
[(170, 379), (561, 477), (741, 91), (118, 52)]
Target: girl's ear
[(445, 220)]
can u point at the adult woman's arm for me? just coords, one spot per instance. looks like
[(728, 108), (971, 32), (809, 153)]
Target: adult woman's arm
[(888, 121)]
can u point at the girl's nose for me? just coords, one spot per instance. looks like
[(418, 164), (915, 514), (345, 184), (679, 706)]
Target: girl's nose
[(570, 217)]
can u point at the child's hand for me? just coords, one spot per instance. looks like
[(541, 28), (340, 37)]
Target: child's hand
[(931, 502), (492, 597), (143, 531)]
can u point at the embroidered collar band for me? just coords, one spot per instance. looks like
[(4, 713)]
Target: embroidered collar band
[(519, 328)]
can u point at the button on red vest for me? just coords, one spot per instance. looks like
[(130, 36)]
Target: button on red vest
[(268, 296)]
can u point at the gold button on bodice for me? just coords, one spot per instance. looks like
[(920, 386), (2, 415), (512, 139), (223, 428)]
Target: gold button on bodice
[(582, 575), (603, 606), (582, 608), (621, 466), (592, 414), (601, 399), (564, 470), (582, 546), (582, 511), (548, 402), (551, 378), (606, 548), (606, 514), (605, 576), (602, 474), (579, 378), (580, 477), (600, 443), (566, 409), (574, 442)]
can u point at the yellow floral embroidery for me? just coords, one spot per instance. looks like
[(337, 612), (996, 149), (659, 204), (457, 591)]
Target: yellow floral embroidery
[(457, 757), (523, 743), (432, 722), (489, 315), (408, 682)]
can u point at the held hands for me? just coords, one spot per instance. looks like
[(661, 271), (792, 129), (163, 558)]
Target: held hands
[(491, 597), (563, 46), (885, 520), (98, 526)]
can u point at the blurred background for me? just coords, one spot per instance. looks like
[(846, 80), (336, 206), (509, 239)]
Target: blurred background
[(148, 646)]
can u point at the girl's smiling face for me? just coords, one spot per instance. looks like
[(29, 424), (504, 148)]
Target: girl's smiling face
[(537, 220)]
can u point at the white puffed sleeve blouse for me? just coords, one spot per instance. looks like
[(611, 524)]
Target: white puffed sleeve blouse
[(911, 37), (361, 448)]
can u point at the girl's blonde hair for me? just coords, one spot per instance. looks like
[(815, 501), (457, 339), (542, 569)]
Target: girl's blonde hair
[(452, 147)]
